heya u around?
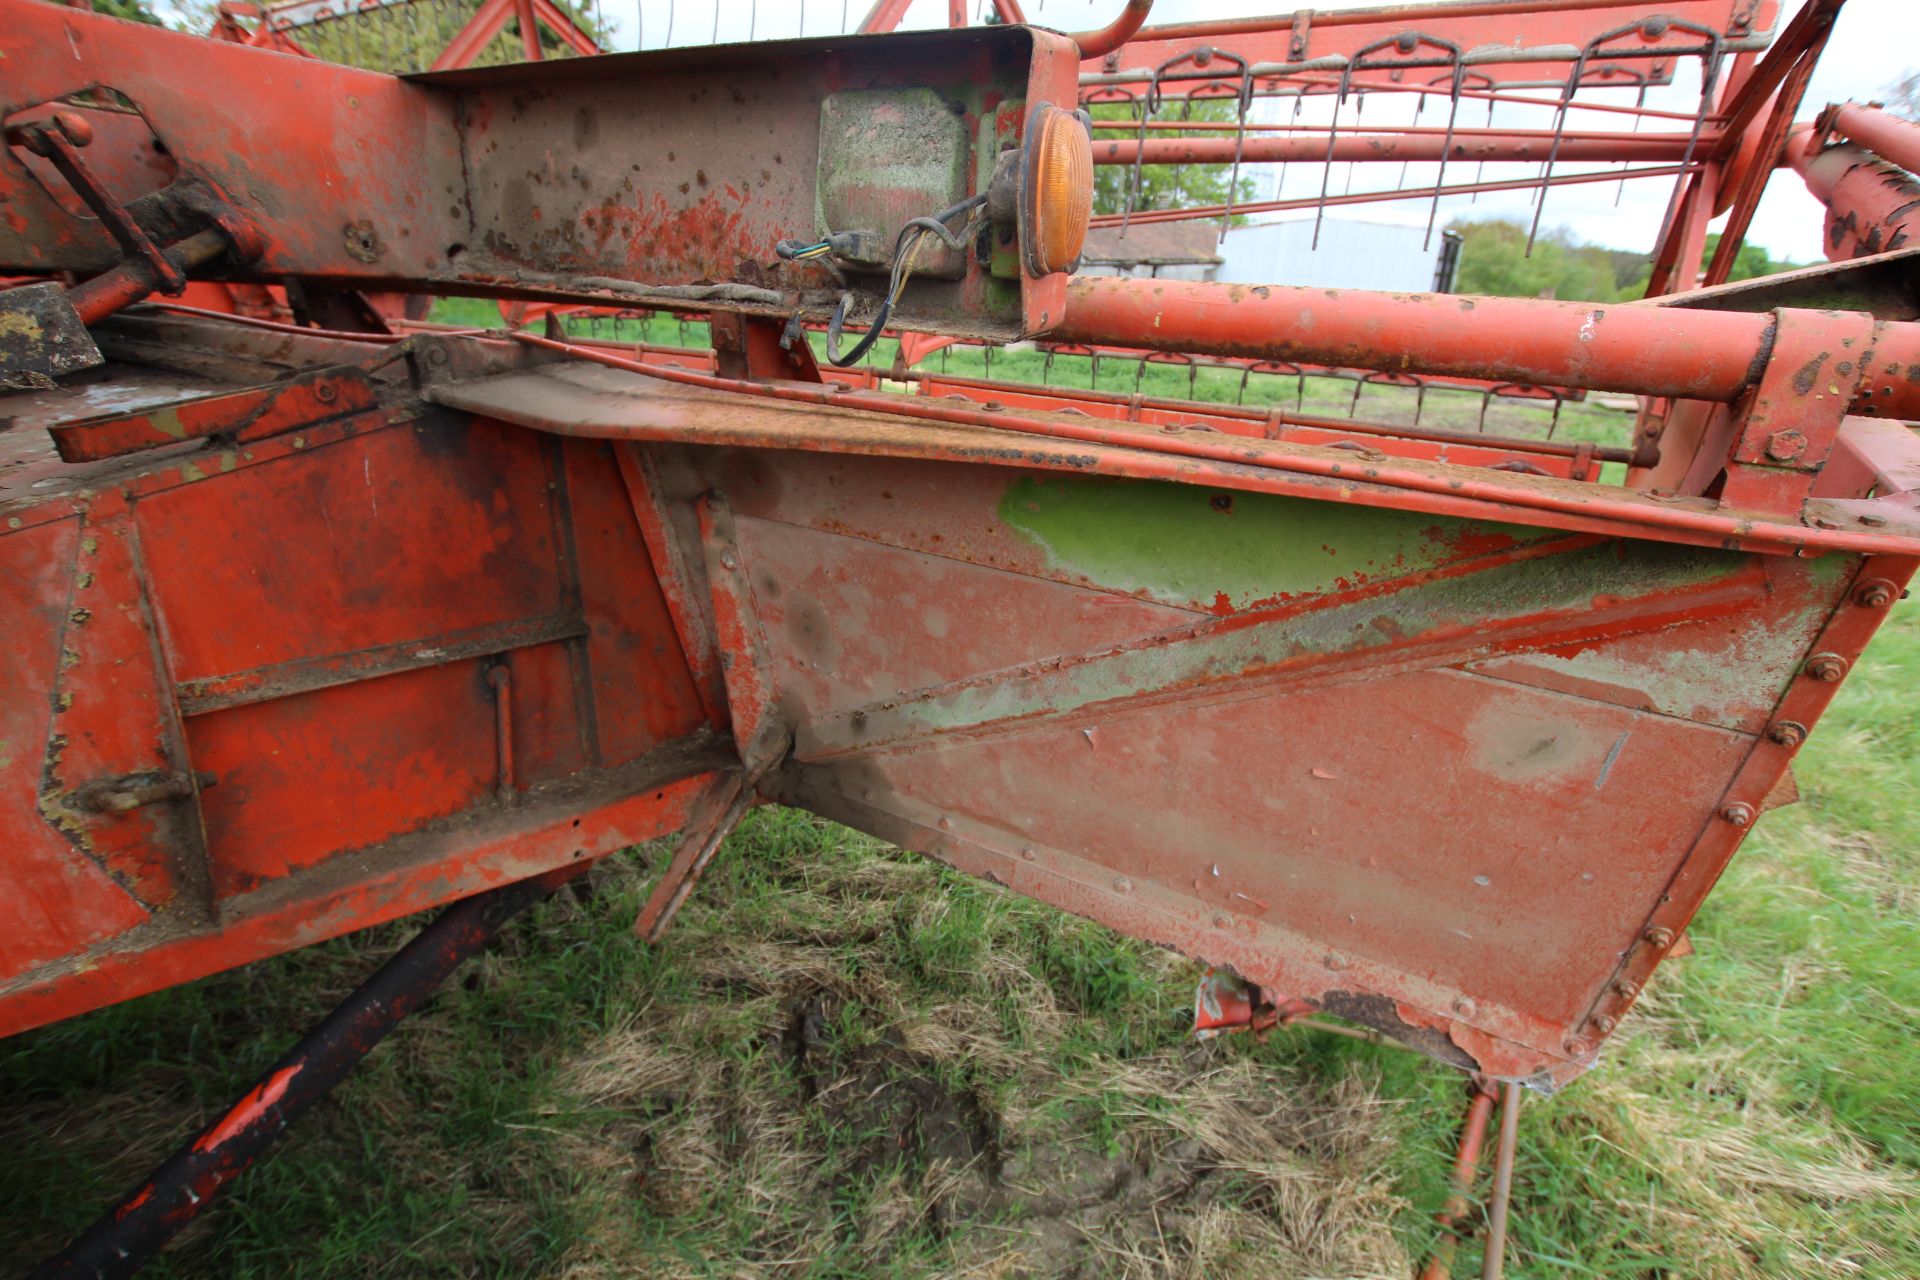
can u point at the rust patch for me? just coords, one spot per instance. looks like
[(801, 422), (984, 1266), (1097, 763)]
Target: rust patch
[(1807, 376)]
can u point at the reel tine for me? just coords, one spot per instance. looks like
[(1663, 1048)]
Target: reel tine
[(1709, 81), (1359, 116), (1333, 131), (1453, 115), (1239, 142), (1572, 85), (1639, 100)]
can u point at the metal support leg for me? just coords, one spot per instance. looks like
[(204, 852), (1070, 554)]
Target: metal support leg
[(1466, 1163), (126, 1236), (690, 858), (1496, 1250)]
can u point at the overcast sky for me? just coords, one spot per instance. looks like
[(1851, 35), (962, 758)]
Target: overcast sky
[(1874, 43)]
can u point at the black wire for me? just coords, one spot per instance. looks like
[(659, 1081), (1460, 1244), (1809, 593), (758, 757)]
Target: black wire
[(936, 225), (861, 347)]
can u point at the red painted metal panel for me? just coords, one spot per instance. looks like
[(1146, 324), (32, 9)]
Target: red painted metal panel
[(395, 519), (435, 868), (860, 622), (408, 748), (57, 900), (114, 717), (1395, 821), (643, 693)]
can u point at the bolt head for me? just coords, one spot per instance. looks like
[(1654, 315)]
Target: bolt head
[(1574, 1046), (1334, 962), (1826, 667), (1626, 989), (1464, 1007), (1026, 854), (1785, 446), (1659, 937), (325, 392), (1875, 594), (1221, 922), (727, 561), (1738, 813), (1122, 885), (1788, 733), (1603, 1024)]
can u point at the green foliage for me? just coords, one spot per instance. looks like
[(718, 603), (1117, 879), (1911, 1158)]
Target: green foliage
[(1494, 260), (131, 10), (400, 38), (1168, 186)]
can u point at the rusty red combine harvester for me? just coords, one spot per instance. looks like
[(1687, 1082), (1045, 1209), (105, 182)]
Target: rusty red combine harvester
[(314, 623)]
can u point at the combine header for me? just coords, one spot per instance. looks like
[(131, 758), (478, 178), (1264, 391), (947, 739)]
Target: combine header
[(317, 621)]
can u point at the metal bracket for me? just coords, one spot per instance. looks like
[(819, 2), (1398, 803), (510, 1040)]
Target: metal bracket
[(1792, 417), (59, 145)]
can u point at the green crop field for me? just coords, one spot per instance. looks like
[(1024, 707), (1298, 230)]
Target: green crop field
[(849, 1061)]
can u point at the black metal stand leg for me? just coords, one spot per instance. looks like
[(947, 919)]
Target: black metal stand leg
[(129, 1234)]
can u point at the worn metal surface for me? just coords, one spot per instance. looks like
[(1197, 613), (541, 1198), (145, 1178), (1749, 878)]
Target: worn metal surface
[(1534, 39), (1707, 355), (41, 337), (157, 634), (637, 178), (314, 629)]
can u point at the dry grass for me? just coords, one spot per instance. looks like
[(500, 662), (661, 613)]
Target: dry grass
[(841, 1123)]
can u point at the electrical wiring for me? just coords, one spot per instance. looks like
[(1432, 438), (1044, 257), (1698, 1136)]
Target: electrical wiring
[(906, 252)]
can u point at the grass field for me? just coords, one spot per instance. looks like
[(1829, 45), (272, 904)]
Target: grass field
[(849, 1061)]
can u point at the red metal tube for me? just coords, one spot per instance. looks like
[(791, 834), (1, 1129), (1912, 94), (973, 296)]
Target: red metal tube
[(134, 279), (1514, 146), (1493, 1259), (1872, 206), (1466, 1164), (1887, 136), (1712, 355), (1734, 530), (1098, 44)]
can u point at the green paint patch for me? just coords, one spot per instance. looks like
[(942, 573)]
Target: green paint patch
[(1224, 551), (167, 422)]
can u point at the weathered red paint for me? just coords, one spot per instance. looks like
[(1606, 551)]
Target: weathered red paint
[(246, 1113), (1277, 46), (313, 629), (1710, 355)]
